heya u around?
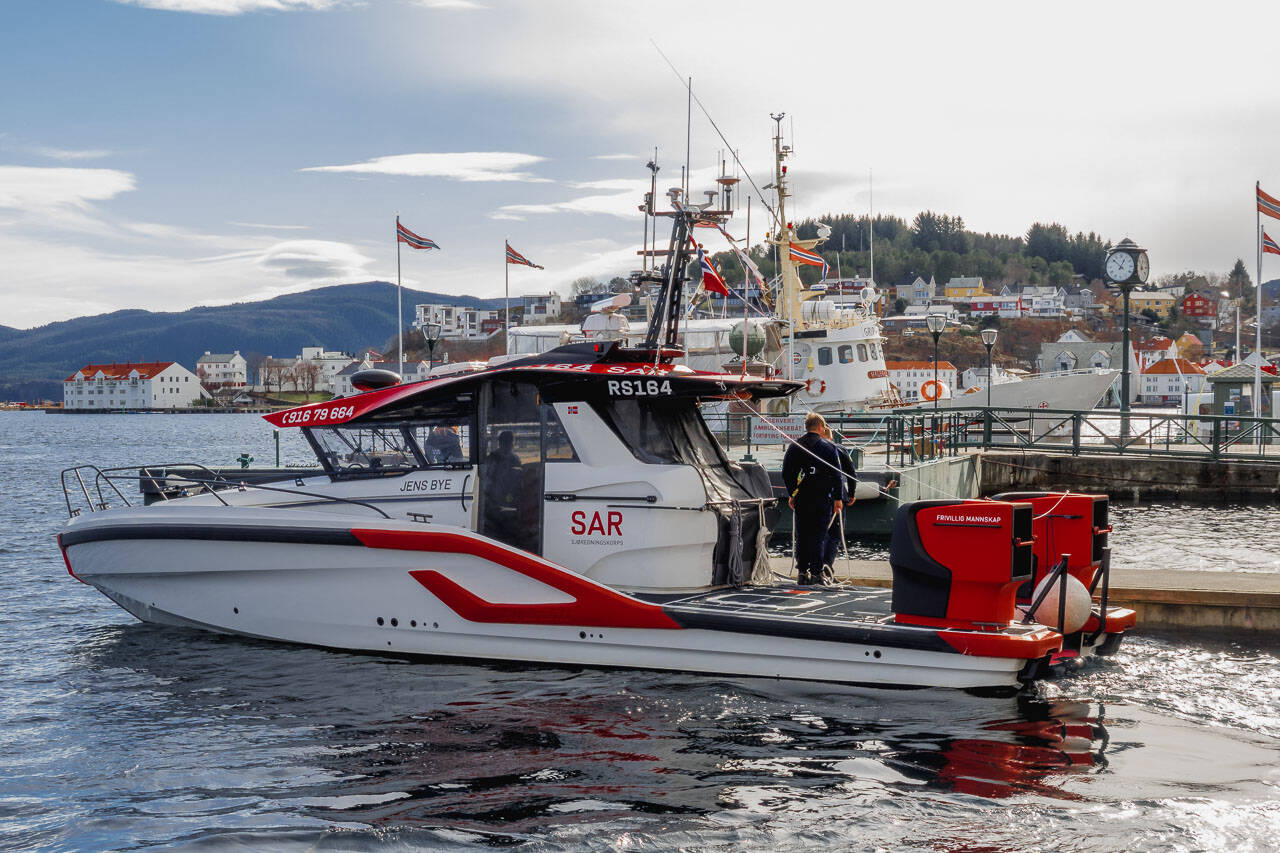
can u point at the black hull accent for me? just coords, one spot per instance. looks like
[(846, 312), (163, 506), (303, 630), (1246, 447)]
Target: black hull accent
[(213, 533)]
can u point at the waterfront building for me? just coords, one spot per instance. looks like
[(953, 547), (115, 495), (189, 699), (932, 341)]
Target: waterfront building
[(222, 370), (133, 385), (458, 322), (1169, 380), (1154, 349), (540, 308), (908, 376)]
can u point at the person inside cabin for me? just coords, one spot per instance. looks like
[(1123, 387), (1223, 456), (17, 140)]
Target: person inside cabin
[(817, 490), (502, 470), (443, 444), (832, 545)]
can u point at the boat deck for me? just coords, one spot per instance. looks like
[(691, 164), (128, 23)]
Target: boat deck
[(842, 614)]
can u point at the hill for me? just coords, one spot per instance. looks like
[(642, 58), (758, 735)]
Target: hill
[(343, 317)]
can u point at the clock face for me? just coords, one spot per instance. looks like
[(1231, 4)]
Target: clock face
[(1144, 267), (1120, 267)]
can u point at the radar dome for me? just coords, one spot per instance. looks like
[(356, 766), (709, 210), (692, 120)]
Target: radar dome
[(755, 338)]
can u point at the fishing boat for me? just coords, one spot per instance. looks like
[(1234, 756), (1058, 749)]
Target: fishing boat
[(568, 508)]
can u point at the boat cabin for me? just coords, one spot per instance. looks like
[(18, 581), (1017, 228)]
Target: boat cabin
[(593, 460)]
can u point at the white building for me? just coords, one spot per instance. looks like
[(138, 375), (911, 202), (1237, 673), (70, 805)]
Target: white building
[(540, 308), (1168, 380), (908, 376), (459, 321), (223, 370), (145, 385), (324, 364)]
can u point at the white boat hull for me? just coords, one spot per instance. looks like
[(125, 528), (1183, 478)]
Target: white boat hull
[(223, 572)]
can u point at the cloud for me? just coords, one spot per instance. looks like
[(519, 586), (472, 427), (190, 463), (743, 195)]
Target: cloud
[(615, 157), (457, 166), (46, 188), (314, 259), (270, 227), (231, 7), (449, 4), (68, 153)]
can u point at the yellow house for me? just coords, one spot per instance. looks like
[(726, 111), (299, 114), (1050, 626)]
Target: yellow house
[(1190, 347), (964, 287), (1158, 302)]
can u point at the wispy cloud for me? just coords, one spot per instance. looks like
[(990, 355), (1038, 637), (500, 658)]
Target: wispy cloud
[(270, 227), (449, 4), (457, 166), (231, 7), (314, 259), (69, 153), (45, 188), (616, 157)]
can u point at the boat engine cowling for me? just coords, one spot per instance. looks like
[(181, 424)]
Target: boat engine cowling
[(959, 562), (1065, 523)]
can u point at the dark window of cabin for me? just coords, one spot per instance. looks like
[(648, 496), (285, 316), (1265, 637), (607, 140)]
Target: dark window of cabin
[(824, 355)]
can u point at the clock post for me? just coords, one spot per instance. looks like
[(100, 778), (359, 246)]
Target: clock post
[(1125, 268)]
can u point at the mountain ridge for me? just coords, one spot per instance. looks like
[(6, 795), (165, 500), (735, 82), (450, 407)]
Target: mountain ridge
[(346, 317)]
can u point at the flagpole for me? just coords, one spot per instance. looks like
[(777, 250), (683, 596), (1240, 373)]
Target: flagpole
[(506, 290), (399, 302), (1257, 347)]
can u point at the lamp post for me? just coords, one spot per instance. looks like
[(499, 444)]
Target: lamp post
[(989, 341), (431, 331), (936, 323)]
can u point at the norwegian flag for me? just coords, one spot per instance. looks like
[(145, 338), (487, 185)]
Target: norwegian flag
[(711, 279), (809, 258), (413, 241), (514, 257), (1269, 245), (1270, 205)]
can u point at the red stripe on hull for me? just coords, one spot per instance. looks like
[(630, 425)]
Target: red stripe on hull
[(67, 560), (1029, 646), (594, 605)]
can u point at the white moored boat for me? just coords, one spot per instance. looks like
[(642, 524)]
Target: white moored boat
[(568, 508)]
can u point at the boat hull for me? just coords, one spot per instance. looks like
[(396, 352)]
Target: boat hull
[(423, 590)]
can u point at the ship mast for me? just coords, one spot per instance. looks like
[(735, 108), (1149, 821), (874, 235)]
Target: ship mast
[(792, 292)]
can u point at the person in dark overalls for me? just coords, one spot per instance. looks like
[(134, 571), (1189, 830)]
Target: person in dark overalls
[(832, 546), (816, 487)]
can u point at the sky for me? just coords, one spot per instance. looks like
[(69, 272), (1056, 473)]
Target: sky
[(162, 154)]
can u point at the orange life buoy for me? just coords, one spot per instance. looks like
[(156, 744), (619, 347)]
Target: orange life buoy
[(808, 387), (931, 390)]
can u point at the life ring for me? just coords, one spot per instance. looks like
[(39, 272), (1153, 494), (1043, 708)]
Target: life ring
[(808, 387), (931, 390)]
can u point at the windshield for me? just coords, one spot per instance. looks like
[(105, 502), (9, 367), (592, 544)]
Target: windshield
[(429, 443)]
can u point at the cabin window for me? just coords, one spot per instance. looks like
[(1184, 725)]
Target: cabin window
[(862, 352), (365, 450), (662, 432), (824, 355), (444, 441), (846, 354)]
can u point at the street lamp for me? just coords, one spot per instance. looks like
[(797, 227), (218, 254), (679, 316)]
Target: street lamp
[(988, 341), (936, 323), (431, 331)]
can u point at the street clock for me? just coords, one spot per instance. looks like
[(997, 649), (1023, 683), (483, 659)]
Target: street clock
[(1126, 264)]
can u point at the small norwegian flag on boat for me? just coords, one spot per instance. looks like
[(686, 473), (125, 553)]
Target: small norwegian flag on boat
[(413, 241), (809, 258), (711, 279)]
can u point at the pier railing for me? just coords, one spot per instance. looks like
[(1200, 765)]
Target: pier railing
[(907, 436)]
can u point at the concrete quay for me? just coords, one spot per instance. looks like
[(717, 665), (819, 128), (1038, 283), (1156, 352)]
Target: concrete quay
[(1227, 602), (1136, 477)]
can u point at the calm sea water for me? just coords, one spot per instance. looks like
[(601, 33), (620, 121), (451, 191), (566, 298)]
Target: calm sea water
[(118, 735)]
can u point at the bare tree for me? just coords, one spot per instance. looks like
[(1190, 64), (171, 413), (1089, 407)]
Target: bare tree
[(305, 376)]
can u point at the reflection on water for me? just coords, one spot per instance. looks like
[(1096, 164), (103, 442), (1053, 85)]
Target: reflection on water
[(116, 735)]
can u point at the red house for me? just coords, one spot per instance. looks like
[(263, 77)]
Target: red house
[(1200, 306)]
